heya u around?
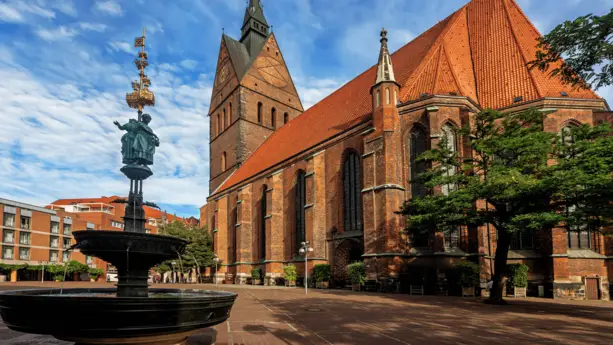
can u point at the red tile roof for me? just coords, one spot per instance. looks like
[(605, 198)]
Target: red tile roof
[(149, 211), (480, 52)]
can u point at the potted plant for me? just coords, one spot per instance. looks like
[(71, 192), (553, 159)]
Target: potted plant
[(321, 273), (518, 280), (94, 274), (289, 274), (467, 275), (357, 275), (256, 276)]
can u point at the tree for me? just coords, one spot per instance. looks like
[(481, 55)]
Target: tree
[(198, 253), (587, 48), (504, 181)]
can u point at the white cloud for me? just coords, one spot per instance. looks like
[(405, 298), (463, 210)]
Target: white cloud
[(121, 46), (189, 64), (10, 14), (92, 26), (109, 7), (65, 6), (313, 90), (57, 34)]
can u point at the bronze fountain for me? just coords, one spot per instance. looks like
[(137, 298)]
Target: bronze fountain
[(130, 314)]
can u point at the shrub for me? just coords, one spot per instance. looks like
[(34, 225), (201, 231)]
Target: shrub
[(95, 273), (322, 272), (518, 275), (466, 274), (58, 277), (356, 273), (256, 273), (289, 273), (77, 267)]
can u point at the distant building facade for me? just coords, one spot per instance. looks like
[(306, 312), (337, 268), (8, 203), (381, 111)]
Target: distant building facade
[(35, 235), (335, 174)]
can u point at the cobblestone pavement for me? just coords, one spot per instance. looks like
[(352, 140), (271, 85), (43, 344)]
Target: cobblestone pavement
[(287, 316)]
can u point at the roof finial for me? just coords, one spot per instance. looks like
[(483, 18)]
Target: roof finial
[(141, 96), (385, 69)]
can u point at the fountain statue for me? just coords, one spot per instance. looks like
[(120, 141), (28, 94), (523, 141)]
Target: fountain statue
[(131, 313)]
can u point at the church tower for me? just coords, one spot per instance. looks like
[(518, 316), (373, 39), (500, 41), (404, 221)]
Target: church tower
[(253, 95)]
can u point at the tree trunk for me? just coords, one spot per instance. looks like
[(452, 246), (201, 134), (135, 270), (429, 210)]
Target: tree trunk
[(500, 268)]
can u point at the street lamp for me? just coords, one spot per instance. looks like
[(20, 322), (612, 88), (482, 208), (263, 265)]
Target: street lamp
[(42, 280), (174, 278), (304, 250), (216, 259)]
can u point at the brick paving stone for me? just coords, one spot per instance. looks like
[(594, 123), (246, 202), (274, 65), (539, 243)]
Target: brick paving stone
[(286, 316)]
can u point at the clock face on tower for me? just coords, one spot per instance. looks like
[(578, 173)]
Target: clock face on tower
[(272, 70)]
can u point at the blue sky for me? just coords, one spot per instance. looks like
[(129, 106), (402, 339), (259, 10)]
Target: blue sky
[(65, 67)]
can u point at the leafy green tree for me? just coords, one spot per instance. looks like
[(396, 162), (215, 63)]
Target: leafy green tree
[(586, 46), (504, 183), (198, 253), (517, 178)]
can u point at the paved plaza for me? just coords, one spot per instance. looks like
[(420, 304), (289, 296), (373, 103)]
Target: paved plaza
[(286, 316)]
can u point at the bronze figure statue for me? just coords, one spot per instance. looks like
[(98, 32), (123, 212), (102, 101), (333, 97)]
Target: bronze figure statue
[(139, 143)]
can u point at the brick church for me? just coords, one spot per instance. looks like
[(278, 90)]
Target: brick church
[(336, 173)]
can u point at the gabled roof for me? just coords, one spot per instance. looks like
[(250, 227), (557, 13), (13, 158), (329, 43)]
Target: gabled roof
[(239, 56), (480, 52)]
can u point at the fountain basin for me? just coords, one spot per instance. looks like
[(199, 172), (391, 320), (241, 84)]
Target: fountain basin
[(96, 316)]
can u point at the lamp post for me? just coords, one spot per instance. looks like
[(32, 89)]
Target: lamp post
[(304, 250), (42, 279), (174, 278), (216, 259)]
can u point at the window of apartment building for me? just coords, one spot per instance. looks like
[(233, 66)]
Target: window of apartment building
[(55, 227), (522, 240), (67, 229), (54, 242), (24, 253), (452, 238), (53, 256), (8, 236), (26, 222), (580, 239), (7, 253), (67, 242), (89, 260), (24, 238), (115, 224), (65, 256), (9, 220)]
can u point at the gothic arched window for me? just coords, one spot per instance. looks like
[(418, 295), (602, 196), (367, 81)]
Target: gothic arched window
[(223, 162), (417, 146), (448, 132), (218, 124), (300, 203), (230, 111), (285, 118), (263, 214), (352, 191), (260, 112), (225, 119), (273, 118)]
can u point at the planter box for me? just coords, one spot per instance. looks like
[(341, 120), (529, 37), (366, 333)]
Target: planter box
[(468, 291), (290, 283), (256, 281), (519, 292), (355, 287)]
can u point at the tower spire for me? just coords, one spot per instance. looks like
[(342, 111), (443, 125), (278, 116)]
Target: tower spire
[(255, 27), (141, 96), (385, 69)]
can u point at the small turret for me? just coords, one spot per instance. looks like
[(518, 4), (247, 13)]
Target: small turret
[(385, 91)]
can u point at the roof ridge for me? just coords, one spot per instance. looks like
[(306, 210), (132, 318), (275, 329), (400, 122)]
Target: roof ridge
[(453, 72), (424, 62), (537, 87)]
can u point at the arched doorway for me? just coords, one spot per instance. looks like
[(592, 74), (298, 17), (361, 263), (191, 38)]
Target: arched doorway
[(347, 251)]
